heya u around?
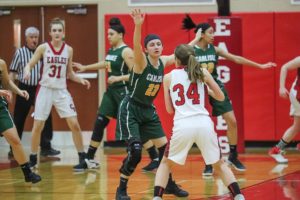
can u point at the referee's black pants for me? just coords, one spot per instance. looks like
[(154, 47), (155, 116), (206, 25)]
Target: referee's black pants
[(22, 108)]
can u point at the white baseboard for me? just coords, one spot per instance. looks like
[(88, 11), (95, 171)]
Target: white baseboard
[(60, 138)]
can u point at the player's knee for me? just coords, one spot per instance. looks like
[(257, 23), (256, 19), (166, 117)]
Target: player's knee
[(232, 124), (136, 152), (75, 127), (100, 124), (14, 141), (133, 158)]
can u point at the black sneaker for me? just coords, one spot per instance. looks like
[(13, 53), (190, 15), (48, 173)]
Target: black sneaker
[(49, 152), (151, 166), (173, 188), (80, 167), (208, 170), (234, 161), (122, 194), (82, 156), (33, 178), (33, 161)]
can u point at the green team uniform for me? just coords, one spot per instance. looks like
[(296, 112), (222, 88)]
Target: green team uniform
[(116, 91), (137, 118), (209, 60), (6, 122)]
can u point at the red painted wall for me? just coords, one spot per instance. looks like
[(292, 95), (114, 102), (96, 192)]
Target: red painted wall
[(265, 37)]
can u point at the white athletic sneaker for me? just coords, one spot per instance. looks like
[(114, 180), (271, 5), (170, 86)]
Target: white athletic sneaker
[(277, 154), (239, 197), (92, 164), (157, 198)]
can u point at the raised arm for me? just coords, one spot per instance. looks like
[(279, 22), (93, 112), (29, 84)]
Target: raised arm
[(9, 84), (71, 74), (140, 61), (128, 57), (38, 54), (168, 100), (243, 61), (292, 64), (213, 88)]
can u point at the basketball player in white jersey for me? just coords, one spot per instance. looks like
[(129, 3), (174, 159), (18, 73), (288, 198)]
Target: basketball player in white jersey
[(57, 67), (185, 91)]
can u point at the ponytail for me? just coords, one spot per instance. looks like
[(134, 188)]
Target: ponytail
[(188, 24), (194, 70), (186, 55)]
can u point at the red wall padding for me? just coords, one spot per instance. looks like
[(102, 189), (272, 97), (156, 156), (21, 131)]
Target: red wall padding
[(259, 103), (266, 37)]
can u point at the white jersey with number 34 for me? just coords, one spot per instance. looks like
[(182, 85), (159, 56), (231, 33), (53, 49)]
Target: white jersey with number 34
[(188, 98), (54, 70)]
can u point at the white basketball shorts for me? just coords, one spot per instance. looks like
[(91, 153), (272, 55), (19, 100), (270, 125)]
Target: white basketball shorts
[(197, 129), (59, 98)]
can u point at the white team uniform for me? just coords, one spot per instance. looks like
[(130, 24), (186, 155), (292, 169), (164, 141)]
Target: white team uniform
[(192, 123), (53, 86), (295, 105)]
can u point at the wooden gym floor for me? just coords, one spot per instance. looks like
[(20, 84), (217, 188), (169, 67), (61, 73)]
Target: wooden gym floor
[(264, 179)]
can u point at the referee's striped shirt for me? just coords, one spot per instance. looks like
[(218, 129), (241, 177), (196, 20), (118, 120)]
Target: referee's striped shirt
[(21, 58)]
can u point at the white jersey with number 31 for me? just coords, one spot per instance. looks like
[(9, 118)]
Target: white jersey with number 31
[(54, 70), (188, 98)]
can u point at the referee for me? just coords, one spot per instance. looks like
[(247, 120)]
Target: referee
[(22, 107)]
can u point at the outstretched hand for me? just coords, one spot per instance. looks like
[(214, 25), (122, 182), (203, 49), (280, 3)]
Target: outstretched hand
[(78, 66), (268, 65), (137, 16)]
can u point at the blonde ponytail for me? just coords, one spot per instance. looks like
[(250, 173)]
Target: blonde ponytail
[(186, 55), (195, 71)]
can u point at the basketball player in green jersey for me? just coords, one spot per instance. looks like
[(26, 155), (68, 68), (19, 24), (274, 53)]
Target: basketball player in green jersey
[(118, 62), (7, 127), (137, 118), (207, 54)]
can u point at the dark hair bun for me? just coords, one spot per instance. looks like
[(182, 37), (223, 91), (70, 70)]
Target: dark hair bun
[(114, 21)]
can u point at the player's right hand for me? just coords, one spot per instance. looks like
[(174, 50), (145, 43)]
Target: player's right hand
[(24, 94), (283, 92), (6, 94), (137, 16)]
